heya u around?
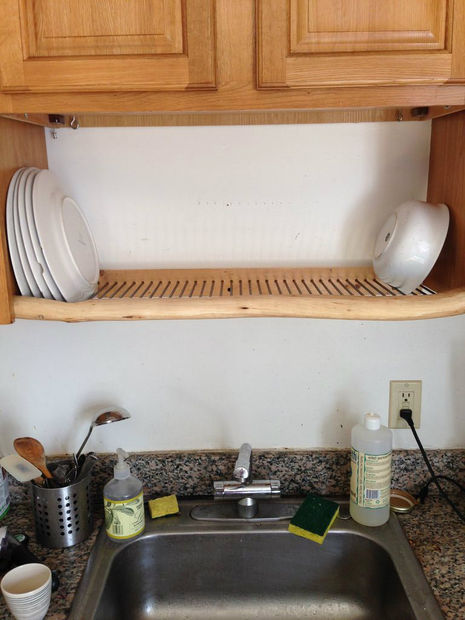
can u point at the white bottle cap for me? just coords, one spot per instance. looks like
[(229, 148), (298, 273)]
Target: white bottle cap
[(372, 421)]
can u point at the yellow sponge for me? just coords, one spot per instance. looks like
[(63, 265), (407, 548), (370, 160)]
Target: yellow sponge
[(314, 518), (163, 506)]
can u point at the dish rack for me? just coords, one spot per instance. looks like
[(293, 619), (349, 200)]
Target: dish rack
[(346, 292)]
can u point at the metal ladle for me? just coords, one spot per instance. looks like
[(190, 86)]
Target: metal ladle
[(104, 417)]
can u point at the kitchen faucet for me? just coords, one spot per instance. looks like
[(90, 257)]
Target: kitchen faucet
[(243, 489)]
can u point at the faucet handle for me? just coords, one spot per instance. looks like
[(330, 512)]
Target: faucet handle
[(243, 467)]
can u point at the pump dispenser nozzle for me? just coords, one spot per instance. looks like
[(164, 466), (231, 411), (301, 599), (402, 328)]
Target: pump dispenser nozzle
[(121, 469)]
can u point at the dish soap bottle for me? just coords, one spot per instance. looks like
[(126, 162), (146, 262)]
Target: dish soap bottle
[(370, 482), (123, 502)]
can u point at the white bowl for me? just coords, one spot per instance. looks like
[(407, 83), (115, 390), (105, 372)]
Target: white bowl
[(409, 243)]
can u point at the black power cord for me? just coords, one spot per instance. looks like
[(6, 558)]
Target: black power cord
[(406, 414)]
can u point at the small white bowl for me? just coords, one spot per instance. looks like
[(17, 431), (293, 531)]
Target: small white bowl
[(409, 243)]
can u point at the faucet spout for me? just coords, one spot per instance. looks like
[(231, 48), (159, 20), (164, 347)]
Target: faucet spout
[(243, 467)]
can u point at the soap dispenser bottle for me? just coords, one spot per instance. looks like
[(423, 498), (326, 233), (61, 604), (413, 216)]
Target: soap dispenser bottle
[(123, 502), (370, 481)]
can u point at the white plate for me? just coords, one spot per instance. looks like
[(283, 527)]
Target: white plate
[(10, 231), (24, 188), (65, 238), (19, 191), (54, 292)]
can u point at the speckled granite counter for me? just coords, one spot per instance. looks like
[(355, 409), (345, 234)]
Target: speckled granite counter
[(437, 537), (435, 533)]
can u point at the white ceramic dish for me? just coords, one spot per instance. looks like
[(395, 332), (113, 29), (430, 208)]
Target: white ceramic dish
[(409, 243), (10, 231), (19, 192), (65, 238), (26, 268), (81, 243), (34, 237), (24, 188)]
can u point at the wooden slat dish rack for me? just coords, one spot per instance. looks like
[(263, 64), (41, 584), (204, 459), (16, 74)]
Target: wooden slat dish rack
[(196, 284), (353, 293)]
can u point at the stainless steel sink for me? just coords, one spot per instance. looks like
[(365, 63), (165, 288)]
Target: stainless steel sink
[(184, 568)]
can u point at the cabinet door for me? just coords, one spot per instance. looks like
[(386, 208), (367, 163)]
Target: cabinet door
[(51, 45), (358, 42)]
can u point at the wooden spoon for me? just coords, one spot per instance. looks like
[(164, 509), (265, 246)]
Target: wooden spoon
[(33, 451)]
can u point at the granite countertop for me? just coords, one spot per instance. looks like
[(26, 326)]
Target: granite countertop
[(434, 532), (437, 537)]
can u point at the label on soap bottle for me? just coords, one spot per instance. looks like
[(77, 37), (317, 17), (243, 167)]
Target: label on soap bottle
[(124, 519), (370, 481)]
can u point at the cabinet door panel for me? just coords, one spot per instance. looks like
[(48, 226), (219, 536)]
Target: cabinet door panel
[(107, 45), (87, 28), (355, 42), (367, 25)]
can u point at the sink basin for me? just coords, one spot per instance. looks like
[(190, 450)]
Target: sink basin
[(190, 569)]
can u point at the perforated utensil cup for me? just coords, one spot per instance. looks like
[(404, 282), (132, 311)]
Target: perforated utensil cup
[(63, 516)]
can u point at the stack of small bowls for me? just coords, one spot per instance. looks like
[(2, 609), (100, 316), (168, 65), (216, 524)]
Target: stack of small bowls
[(27, 590)]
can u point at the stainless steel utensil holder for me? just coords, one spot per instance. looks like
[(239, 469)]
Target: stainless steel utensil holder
[(63, 516)]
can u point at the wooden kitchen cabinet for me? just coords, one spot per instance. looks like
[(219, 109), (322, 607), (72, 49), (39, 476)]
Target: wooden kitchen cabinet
[(118, 45), (310, 43), (229, 55)]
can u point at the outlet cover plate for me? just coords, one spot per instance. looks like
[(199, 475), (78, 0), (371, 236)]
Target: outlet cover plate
[(404, 395)]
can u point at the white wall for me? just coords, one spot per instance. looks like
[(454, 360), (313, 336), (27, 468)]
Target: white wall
[(233, 195), (224, 196)]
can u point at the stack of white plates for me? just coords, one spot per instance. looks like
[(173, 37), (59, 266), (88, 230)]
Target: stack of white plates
[(51, 246)]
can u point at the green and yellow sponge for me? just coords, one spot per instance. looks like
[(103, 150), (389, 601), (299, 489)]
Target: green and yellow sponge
[(314, 518), (163, 506)]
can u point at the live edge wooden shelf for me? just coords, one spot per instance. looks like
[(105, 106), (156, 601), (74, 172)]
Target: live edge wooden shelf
[(339, 293)]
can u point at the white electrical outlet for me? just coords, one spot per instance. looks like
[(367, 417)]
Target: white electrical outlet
[(404, 395)]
